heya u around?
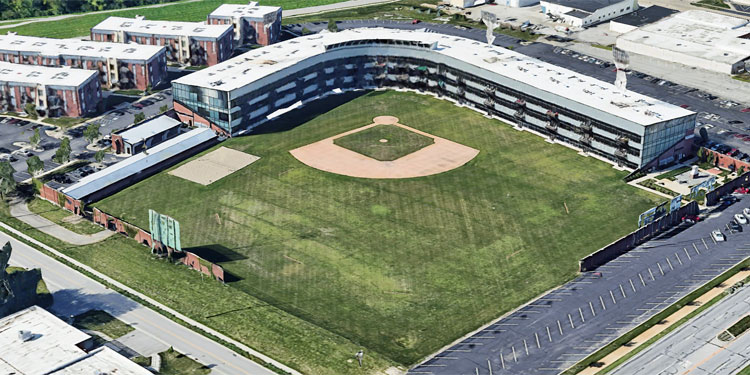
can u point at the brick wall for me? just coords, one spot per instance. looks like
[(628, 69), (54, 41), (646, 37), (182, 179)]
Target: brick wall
[(187, 116), (726, 161)]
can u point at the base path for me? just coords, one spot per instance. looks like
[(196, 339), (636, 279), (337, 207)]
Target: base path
[(439, 157), (21, 211)]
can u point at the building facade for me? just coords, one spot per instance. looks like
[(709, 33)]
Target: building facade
[(585, 13), (53, 91), (625, 128), (119, 65), (190, 43), (253, 24), (145, 135)]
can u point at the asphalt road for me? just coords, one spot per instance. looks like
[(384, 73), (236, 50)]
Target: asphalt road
[(75, 293), (694, 348), (555, 331)]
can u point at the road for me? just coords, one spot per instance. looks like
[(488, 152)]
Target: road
[(694, 348), (565, 325), (74, 293)]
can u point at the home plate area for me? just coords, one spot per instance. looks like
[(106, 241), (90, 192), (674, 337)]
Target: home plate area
[(214, 166)]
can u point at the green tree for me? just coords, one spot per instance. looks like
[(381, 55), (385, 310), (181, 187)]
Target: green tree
[(30, 109), (99, 156), (741, 170), (138, 117), (35, 138), (35, 165), (7, 183), (332, 26), (62, 155), (91, 132), (163, 108)]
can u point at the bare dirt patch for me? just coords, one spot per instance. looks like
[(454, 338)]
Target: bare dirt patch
[(214, 166)]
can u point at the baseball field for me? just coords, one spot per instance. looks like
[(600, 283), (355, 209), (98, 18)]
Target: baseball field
[(401, 267)]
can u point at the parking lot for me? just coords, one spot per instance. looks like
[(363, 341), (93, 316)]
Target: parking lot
[(15, 147)]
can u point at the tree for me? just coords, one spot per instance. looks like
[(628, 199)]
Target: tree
[(35, 138), (35, 165), (99, 156), (701, 154), (7, 182), (91, 132), (62, 155), (163, 108), (704, 134), (149, 89), (332, 26), (741, 170), (30, 109), (138, 117)]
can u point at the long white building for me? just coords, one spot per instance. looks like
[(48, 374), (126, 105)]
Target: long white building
[(624, 127), (694, 38), (584, 13)]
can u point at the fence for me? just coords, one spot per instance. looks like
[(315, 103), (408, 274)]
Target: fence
[(630, 241), (712, 197)]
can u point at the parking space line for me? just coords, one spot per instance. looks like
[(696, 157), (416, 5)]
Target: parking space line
[(651, 273), (670, 264), (704, 242), (660, 269), (686, 253), (602, 301)]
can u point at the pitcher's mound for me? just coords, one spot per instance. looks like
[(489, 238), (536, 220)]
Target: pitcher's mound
[(440, 156)]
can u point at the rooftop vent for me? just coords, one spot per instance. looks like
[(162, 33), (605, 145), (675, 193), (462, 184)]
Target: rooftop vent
[(25, 336)]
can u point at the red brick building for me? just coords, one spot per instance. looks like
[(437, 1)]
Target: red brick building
[(190, 43), (119, 65), (53, 91), (253, 24)]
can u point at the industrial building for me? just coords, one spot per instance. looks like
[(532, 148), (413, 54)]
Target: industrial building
[(508, 3), (585, 13), (695, 38), (54, 91), (623, 127), (192, 43), (124, 66), (145, 135), (253, 23), (34, 342), (641, 17)]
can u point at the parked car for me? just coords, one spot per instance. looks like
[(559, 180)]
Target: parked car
[(734, 122), (732, 225), (728, 200), (745, 110), (414, 22), (718, 236), (691, 219), (746, 211), (740, 219)]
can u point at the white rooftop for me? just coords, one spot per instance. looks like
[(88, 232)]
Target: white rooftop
[(252, 10), (44, 75), (172, 28), (256, 64), (149, 129), (103, 361), (72, 47), (698, 33), (138, 162)]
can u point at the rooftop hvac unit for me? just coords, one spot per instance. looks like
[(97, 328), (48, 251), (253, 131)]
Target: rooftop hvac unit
[(25, 336)]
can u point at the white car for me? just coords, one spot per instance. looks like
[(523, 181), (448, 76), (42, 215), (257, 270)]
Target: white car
[(746, 212), (718, 236), (740, 219)]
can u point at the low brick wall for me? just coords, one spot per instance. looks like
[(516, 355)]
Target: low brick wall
[(712, 197)]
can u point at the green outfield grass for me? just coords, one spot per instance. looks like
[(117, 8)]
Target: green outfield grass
[(401, 267), (79, 25), (384, 142)]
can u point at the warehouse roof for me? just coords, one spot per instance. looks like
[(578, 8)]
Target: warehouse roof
[(73, 47), (252, 10), (590, 6), (44, 75), (644, 16), (103, 361), (148, 129), (697, 33), (139, 162), (173, 28), (254, 65)]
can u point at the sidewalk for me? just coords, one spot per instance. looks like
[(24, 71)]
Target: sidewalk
[(20, 211)]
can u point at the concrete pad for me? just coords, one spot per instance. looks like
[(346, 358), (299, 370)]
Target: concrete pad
[(143, 343), (214, 166)]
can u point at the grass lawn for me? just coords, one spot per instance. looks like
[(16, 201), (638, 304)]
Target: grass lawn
[(401, 267), (740, 327), (672, 175), (711, 4), (101, 321), (384, 142), (176, 363), (194, 11), (64, 122), (57, 215)]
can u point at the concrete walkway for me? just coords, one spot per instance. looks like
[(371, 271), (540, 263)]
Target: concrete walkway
[(20, 211)]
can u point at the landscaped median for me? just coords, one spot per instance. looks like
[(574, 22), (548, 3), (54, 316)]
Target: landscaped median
[(639, 338)]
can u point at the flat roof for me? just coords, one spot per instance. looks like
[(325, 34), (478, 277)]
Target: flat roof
[(590, 6), (172, 28), (578, 14), (138, 162), (44, 75), (103, 361), (73, 47), (256, 64), (53, 344), (252, 10), (644, 16), (697, 33), (149, 129)]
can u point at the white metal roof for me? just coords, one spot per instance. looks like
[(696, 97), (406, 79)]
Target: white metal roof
[(252, 10), (256, 64), (105, 361), (72, 47), (149, 129), (139, 162), (169, 28), (698, 33), (44, 75), (54, 343)]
